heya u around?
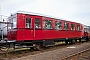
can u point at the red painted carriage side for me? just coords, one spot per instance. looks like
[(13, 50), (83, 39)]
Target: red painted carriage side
[(46, 34), (23, 33)]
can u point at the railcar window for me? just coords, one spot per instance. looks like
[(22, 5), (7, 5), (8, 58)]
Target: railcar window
[(37, 23), (48, 24), (58, 25), (28, 22), (72, 27), (66, 26), (9, 26), (10, 21), (14, 22), (78, 27)]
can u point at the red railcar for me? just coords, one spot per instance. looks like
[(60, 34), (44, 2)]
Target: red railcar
[(86, 32), (26, 27)]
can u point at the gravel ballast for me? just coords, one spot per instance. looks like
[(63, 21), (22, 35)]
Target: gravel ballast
[(57, 54)]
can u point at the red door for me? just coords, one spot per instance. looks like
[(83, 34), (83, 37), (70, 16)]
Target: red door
[(36, 27)]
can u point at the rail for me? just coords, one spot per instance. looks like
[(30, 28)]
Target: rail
[(66, 57)]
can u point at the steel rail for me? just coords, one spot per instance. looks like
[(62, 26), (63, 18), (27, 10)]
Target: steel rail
[(66, 57)]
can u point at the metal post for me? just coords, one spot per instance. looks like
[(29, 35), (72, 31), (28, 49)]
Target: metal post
[(34, 29), (2, 29), (0, 10), (1, 17), (2, 34)]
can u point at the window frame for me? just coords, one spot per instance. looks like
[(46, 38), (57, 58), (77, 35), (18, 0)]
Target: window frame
[(73, 27), (14, 25), (39, 23), (10, 24), (30, 23), (67, 26), (78, 25), (48, 24), (60, 28)]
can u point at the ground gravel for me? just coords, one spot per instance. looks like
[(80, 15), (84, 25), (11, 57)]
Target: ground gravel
[(57, 54)]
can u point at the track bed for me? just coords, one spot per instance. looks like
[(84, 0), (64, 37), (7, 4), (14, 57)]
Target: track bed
[(52, 53)]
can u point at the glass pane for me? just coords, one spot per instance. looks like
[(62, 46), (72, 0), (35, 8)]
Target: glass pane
[(47, 24), (58, 25), (28, 22), (66, 26), (10, 21), (72, 27), (9, 26), (78, 27), (37, 23), (14, 23)]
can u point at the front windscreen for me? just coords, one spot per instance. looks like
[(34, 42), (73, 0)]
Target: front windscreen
[(14, 22), (9, 24)]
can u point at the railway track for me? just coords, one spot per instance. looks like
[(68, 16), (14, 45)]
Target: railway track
[(76, 55), (26, 52)]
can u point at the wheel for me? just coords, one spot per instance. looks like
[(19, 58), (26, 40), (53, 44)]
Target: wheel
[(66, 42), (8, 47), (76, 40), (73, 41), (80, 40), (12, 46), (38, 46), (31, 48), (4, 48), (87, 39)]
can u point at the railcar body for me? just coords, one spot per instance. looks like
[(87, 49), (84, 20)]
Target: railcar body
[(26, 27), (86, 32)]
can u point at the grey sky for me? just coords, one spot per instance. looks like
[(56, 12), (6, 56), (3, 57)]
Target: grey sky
[(72, 10)]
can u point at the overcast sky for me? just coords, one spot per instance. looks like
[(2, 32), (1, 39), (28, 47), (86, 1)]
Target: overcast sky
[(72, 10)]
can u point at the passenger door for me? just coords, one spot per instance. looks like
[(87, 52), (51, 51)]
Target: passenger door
[(37, 25)]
